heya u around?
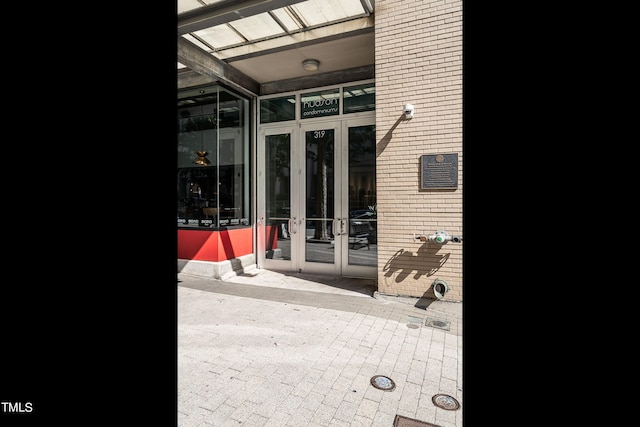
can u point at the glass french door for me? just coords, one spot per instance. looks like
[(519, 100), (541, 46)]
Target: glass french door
[(316, 197), (278, 211), (358, 215)]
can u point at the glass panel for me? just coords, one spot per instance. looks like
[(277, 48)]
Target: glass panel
[(197, 131), (196, 42), (213, 188), (315, 12), (320, 201), (186, 5), (278, 109), (359, 98), (257, 26), (285, 17), (363, 218), (218, 36), (278, 196), (196, 197), (319, 104)]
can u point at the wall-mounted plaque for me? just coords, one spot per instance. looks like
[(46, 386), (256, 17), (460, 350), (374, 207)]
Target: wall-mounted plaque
[(438, 171)]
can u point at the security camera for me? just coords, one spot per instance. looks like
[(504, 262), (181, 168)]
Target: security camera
[(408, 111)]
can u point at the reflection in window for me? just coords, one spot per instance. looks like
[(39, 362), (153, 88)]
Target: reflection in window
[(359, 98), (215, 193), (277, 179), (278, 109), (363, 212)]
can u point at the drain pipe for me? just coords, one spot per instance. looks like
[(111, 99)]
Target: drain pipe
[(441, 237), (440, 287)]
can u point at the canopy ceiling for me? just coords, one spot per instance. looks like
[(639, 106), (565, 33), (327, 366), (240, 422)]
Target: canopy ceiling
[(259, 45)]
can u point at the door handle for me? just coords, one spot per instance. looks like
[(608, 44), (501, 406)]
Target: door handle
[(342, 220), (334, 226), (290, 225)]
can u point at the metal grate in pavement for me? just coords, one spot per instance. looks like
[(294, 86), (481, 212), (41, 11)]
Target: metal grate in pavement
[(383, 383), (445, 401), (437, 323), (401, 421)]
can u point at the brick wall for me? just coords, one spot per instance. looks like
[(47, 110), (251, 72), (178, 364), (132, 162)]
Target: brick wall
[(418, 56)]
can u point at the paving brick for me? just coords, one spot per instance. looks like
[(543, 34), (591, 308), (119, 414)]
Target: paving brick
[(320, 371)]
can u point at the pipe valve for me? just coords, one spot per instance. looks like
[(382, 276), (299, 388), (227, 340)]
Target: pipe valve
[(440, 237)]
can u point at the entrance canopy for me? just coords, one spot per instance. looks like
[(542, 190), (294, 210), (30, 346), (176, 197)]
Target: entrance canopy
[(259, 46)]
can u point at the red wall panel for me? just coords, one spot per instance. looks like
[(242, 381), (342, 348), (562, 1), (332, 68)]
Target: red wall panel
[(204, 245)]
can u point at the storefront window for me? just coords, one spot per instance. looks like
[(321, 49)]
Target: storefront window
[(213, 160)]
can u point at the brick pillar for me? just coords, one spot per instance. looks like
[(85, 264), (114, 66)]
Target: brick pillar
[(418, 56)]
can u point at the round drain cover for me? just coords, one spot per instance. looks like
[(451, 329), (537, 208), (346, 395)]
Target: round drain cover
[(383, 383), (445, 401)]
